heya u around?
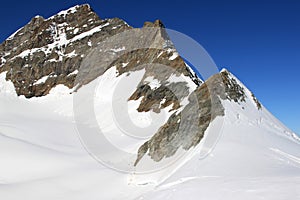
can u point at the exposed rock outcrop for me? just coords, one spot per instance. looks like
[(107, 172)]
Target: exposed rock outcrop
[(47, 52)]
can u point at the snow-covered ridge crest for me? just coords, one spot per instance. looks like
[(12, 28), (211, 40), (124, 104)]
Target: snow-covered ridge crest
[(253, 111), (237, 87), (70, 10)]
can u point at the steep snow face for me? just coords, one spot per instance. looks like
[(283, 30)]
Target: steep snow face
[(6, 87), (256, 157), (114, 113)]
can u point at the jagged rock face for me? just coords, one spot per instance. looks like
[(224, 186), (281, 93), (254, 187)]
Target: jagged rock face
[(186, 128), (233, 90), (47, 52), (236, 92), (204, 106)]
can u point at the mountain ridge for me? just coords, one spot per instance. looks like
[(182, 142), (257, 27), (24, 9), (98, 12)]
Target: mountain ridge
[(55, 59)]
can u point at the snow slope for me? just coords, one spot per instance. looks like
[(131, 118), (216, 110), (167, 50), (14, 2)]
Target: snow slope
[(42, 157), (255, 158)]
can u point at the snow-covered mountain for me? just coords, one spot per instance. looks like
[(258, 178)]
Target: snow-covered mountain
[(166, 134)]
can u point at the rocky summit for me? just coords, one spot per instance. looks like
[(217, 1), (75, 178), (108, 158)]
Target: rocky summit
[(48, 52)]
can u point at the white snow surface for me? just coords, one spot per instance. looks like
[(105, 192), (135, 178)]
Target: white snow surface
[(41, 155), (41, 80), (112, 91), (152, 82), (118, 49), (90, 32), (174, 55), (74, 72)]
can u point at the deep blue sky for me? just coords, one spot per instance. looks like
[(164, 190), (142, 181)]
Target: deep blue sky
[(258, 41)]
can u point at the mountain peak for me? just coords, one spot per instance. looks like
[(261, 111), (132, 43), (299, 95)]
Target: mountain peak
[(53, 48), (224, 70), (156, 23), (86, 8)]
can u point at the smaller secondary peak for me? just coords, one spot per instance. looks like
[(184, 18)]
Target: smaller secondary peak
[(156, 23), (85, 7), (224, 70), (37, 20), (38, 17)]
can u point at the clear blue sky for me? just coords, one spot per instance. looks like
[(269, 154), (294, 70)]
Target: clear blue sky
[(258, 41)]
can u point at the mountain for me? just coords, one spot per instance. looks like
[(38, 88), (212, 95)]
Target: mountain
[(46, 52), (76, 89)]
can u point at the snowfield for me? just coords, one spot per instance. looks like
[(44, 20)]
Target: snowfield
[(42, 157)]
